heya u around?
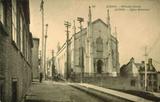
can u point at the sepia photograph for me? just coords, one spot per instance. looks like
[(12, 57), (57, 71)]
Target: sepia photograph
[(79, 50)]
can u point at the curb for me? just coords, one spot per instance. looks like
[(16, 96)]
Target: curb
[(103, 96)]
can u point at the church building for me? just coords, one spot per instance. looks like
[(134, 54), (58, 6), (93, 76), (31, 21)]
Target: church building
[(92, 50)]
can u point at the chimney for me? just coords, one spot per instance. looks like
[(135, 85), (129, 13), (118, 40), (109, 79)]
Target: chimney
[(132, 60), (142, 62)]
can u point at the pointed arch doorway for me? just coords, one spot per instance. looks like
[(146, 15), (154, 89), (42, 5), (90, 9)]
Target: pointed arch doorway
[(99, 66)]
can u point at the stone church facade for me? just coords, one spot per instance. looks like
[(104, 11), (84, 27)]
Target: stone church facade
[(93, 50)]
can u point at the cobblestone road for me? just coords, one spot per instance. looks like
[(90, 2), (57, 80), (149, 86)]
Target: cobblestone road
[(57, 92)]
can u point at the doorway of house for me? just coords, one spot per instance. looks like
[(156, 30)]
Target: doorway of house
[(14, 91), (1, 92), (99, 66)]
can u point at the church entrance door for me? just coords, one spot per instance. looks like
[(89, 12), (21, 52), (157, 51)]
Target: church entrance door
[(99, 66)]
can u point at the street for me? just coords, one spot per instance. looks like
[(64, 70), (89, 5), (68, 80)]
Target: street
[(49, 91)]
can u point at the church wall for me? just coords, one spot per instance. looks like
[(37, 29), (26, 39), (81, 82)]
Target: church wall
[(72, 51), (77, 45), (61, 61), (100, 30), (115, 55), (76, 54)]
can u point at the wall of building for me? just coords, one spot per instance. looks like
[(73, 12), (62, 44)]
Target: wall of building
[(35, 58), (132, 69), (61, 61), (100, 31), (19, 71), (158, 81), (78, 40), (49, 67), (121, 83), (15, 52), (3, 59)]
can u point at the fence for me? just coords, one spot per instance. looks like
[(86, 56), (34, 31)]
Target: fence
[(104, 80)]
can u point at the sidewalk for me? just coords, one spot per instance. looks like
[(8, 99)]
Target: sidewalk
[(156, 94), (115, 94)]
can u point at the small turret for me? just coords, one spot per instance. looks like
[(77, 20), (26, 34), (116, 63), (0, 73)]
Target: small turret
[(74, 27), (89, 16), (108, 17)]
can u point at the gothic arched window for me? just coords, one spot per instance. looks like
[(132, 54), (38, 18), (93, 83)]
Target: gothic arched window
[(99, 43)]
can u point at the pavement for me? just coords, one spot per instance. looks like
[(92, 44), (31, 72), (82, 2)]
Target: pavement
[(49, 91), (121, 95), (156, 94)]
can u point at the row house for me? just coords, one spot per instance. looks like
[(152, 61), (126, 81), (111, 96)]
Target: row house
[(136, 73), (153, 76), (15, 50)]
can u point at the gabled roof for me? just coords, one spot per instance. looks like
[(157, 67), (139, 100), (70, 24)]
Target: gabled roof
[(156, 66), (100, 21), (131, 65), (85, 30), (95, 21)]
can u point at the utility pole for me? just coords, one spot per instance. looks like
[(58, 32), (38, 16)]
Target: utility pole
[(145, 75), (45, 43), (67, 25), (81, 48), (42, 51), (53, 67)]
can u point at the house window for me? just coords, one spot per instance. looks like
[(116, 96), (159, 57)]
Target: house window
[(1, 12), (133, 82), (14, 21), (1, 93)]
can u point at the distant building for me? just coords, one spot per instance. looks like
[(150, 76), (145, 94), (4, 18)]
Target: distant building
[(51, 67), (35, 58), (15, 50), (153, 76), (130, 69), (137, 70), (94, 50)]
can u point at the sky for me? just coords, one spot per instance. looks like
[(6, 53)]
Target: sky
[(137, 23)]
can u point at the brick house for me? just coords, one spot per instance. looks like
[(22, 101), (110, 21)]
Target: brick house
[(15, 50)]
